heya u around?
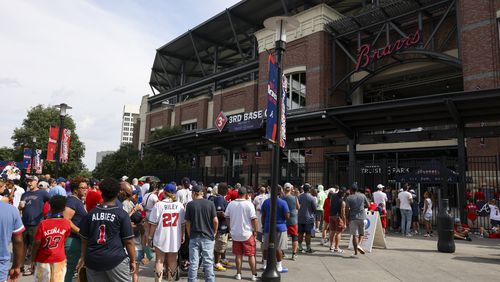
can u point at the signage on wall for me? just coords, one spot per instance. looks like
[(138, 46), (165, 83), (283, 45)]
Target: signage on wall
[(239, 122), (368, 54)]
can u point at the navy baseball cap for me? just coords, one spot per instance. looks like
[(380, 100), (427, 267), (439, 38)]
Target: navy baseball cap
[(170, 188)]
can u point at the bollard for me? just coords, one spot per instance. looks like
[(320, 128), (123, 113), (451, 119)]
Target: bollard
[(446, 241)]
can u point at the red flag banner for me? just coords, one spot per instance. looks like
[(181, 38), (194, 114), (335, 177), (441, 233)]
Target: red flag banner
[(65, 139), (52, 145)]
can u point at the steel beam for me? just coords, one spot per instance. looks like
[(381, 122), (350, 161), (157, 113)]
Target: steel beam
[(196, 53), (443, 17), (234, 34)]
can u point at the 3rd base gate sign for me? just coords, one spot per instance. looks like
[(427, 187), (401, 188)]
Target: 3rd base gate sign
[(239, 122)]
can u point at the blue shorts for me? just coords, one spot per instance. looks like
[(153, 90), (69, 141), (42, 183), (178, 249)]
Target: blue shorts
[(307, 228)]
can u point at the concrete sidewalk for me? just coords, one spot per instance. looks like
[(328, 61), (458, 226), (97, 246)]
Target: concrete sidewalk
[(405, 259)]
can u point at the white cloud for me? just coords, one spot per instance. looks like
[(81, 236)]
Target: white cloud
[(90, 57)]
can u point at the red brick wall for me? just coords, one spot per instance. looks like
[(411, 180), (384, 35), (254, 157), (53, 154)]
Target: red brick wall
[(190, 110), (314, 53), (156, 119), (244, 97), (480, 57)]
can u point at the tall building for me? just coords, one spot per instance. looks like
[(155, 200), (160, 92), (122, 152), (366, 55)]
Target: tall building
[(100, 155), (130, 115)]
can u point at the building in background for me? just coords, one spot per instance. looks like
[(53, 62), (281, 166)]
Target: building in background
[(130, 115), (100, 155), (377, 92)]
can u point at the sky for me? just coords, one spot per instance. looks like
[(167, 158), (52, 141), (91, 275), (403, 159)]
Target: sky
[(94, 55)]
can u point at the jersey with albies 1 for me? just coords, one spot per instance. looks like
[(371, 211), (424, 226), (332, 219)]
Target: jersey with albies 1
[(105, 228), (52, 233), (168, 217)]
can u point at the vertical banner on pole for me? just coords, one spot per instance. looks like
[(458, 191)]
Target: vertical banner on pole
[(65, 140), (52, 145), (272, 100), (284, 84), (37, 159), (27, 159)]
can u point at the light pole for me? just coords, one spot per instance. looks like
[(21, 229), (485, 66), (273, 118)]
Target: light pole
[(63, 107), (33, 151), (280, 24)]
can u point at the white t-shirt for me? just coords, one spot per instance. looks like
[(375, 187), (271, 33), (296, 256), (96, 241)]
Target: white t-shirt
[(380, 197), (405, 200), (494, 212), (148, 202), (429, 206), (240, 213), (144, 189), (168, 217), (184, 196), (17, 196), (257, 202)]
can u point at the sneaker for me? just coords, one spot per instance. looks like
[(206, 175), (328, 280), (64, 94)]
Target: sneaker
[(361, 250), (427, 235), (226, 262), (219, 267), (263, 267), (332, 250), (409, 235), (309, 251), (300, 249), (284, 255), (338, 251), (255, 277), (283, 270), (324, 242), (294, 257), (237, 276)]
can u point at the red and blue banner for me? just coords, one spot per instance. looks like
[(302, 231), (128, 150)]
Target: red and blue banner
[(27, 157), (284, 85), (272, 90), (52, 145)]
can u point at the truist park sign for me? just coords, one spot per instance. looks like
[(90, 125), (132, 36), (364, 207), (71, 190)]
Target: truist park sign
[(368, 54)]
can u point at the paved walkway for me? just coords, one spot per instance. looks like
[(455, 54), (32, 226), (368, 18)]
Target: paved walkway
[(405, 259)]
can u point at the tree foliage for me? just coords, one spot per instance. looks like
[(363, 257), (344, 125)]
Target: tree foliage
[(37, 124), (127, 160), (6, 154)]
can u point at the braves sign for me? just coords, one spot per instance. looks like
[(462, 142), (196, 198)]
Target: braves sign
[(368, 54)]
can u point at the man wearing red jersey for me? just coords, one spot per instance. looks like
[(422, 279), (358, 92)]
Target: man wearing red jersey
[(48, 256)]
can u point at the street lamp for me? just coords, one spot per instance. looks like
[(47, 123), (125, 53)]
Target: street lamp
[(280, 24), (63, 107), (33, 151)]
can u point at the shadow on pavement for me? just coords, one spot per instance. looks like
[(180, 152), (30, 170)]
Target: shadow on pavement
[(479, 259)]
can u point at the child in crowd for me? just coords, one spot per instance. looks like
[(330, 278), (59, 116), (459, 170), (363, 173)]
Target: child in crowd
[(48, 256)]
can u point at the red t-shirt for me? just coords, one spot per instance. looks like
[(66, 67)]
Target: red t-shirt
[(464, 226), (479, 196), (52, 233), (326, 210), (46, 209), (93, 199), (471, 211)]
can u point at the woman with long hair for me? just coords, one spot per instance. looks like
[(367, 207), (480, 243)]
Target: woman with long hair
[(167, 233)]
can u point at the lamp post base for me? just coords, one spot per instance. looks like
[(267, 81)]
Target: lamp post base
[(271, 274)]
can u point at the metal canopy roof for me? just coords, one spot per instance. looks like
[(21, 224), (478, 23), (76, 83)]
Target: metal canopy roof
[(333, 126), (224, 41)]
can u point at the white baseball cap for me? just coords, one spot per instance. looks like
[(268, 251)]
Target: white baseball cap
[(380, 186), (124, 178)]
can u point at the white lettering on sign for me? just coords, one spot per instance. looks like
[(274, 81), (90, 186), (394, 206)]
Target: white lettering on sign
[(246, 116)]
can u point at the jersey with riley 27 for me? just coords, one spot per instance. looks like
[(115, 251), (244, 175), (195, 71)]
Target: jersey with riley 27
[(105, 228)]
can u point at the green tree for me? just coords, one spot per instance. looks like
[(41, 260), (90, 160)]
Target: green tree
[(37, 124), (6, 154), (127, 160)]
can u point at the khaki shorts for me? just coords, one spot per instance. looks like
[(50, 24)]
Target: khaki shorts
[(357, 227), (221, 242), (281, 241)]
